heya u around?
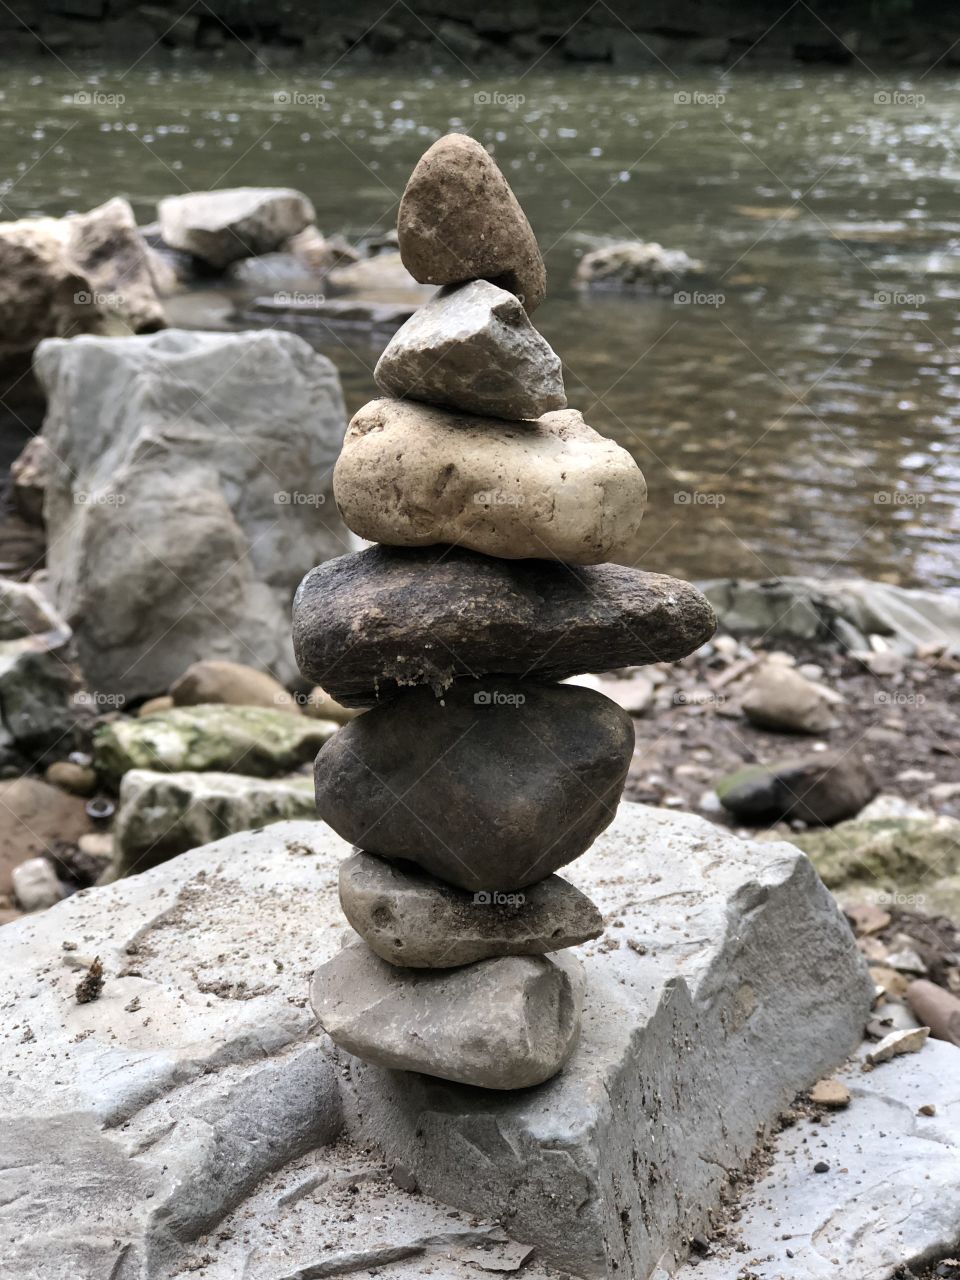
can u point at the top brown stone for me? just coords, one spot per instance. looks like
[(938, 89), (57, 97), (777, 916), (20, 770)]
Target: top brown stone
[(460, 221)]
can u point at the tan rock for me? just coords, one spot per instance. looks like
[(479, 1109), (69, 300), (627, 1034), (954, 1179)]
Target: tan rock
[(86, 273), (163, 703), (34, 819), (79, 779), (234, 683), (411, 476), (866, 917), (897, 1042), (830, 1093), (460, 221), (893, 984), (321, 706), (780, 698), (107, 244)]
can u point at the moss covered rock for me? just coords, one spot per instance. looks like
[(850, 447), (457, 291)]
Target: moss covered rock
[(164, 814), (913, 859), (257, 741)]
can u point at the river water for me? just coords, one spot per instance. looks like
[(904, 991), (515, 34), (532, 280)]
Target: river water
[(799, 413)]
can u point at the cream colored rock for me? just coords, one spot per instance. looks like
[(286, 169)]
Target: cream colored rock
[(322, 706), (411, 476)]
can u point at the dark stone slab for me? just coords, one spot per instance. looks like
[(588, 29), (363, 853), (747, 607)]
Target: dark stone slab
[(365, 625)]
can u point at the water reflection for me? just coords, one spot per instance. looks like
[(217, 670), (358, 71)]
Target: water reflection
[(802, 420)]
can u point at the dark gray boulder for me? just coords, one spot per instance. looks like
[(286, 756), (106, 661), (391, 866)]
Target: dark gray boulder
[(491, 788)]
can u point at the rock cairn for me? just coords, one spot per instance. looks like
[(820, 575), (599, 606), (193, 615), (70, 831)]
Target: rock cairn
[(475, 775)]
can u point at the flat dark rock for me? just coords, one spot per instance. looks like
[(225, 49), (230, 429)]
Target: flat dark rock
[(368, 624), (491, 788)]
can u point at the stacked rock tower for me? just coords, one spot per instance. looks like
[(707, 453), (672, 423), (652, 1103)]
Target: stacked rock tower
[(475, 774)]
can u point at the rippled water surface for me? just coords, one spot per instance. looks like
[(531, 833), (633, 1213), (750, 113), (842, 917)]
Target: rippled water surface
[(798, 414)]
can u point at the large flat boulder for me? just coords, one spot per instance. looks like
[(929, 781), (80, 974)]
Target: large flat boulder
[(189, 492), (188, 1116)]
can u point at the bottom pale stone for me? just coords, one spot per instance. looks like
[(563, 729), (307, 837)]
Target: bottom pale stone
[(506, 1023)]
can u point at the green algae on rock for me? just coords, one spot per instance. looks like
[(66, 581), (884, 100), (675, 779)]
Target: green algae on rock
[(252, 740)]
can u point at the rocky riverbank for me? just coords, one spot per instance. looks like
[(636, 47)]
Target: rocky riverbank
[(458, 38)]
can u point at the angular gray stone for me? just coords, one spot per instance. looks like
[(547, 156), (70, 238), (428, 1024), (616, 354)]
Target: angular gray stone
[(367, 624), (163, 814), (507, 1023), (411, 475), (472, 348), (883, 1154), (460, 221), (221, 227), (256, 741), (491, 788), (189, 492), (210, 1107), (420, 922)]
